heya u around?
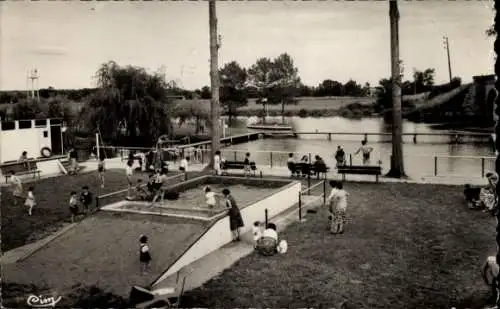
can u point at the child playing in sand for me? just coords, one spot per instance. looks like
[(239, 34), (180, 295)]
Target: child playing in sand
[(210, 197), (144, 255), (73, 205), (30, 201)]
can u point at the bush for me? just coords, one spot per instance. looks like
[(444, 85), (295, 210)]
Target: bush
[(303, 113)]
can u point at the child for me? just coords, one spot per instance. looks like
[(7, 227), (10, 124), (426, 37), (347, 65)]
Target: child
[(257, 232), (184, 165), (246, 164), (129, 172), (338, 204), (217, 163), (101, 169), (290, 163), (73, 205), (16, 187), (86, 198), (471, 196), (30, 201), (365, 151), (144, 255), (210, 198)]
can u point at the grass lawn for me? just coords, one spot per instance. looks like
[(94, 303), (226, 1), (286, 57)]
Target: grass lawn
[(405, 246), (52, 211)]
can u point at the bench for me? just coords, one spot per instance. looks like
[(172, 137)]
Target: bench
[(308, 169), (20, 169), (237, 165), (375, 170)]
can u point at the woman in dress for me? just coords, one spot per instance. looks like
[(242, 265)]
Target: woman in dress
[(235, 219)]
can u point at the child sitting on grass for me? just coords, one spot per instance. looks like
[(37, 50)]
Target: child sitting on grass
[(73, 205), (144, 255), (30, 201)]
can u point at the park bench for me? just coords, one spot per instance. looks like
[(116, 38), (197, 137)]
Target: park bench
[(375, 170), (238, 165), (20, 169), (308, 169)]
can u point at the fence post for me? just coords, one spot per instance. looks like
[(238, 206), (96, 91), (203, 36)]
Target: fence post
[(309, 183), (266, 217), (350, 159), (310, 158), (300, 206), (324, 192), (235, 159), (435, 165), (482, 167), (260, 174), (271, 158), (185, 176)]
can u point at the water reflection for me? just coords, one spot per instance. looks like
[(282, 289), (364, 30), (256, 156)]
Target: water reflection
[(457, 159)]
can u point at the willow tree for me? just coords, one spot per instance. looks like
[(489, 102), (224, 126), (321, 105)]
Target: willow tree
[(397, 166), (130, 105)]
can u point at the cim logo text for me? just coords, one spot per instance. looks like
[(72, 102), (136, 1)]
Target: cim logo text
[(41, 301)]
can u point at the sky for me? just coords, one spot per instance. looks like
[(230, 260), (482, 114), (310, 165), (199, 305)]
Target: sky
[(67, 41)]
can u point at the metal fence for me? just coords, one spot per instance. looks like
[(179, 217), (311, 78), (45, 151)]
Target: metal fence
[(415, 165)]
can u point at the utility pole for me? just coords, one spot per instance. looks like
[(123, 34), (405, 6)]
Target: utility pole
[(214, 79), (397, 166), (447, 47)]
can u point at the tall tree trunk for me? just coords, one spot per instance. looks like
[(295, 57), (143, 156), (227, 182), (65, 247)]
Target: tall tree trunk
[(283, 111), (497, 133), (397, 166), (214, 80)]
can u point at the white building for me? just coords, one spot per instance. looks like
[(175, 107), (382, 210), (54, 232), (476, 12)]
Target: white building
[(39, 138)]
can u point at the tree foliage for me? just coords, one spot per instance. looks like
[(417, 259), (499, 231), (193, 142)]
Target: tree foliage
[(130, 104), (233, 79)]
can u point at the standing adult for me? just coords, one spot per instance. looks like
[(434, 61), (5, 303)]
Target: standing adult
[(235, 219), (340, 156), (365, 151)]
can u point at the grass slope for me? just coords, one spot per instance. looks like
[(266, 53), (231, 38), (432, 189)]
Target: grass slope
[(405, 246)]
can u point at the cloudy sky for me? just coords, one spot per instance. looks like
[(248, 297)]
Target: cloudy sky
[(67, 41)]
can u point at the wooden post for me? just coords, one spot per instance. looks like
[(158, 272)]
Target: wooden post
[(235, 157), (329, 136), (300, 206), (414, 138), (266, 216), (482, 167), (324, 192), (350, 159), (435, 165), (271, 158), (309, 183)]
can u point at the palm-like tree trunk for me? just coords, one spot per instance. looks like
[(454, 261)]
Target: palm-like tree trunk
[(214, 80), (496, 28), (397, 166)]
